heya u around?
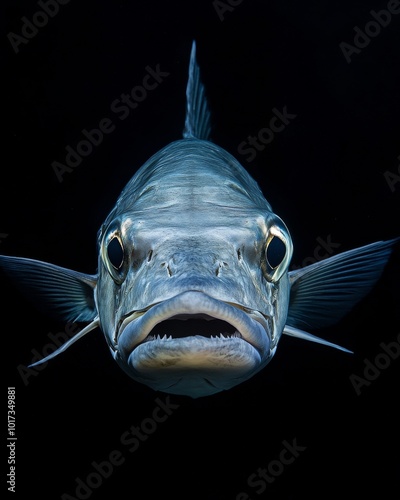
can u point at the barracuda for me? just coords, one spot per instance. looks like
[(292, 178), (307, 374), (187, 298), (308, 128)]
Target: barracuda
[(193, 291)]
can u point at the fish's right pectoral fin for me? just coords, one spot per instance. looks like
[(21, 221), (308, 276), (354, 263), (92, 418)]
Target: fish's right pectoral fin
[(91, 326), (65, 294)]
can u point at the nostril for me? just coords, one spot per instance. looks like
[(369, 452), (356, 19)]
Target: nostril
[(166, 265), (220, 266)]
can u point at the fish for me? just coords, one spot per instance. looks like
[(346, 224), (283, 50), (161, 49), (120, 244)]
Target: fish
[(193, 290)]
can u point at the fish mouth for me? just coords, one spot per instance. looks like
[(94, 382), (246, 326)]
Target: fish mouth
[(193, 331)]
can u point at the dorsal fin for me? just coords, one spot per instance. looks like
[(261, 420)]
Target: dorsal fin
[(197, 122)]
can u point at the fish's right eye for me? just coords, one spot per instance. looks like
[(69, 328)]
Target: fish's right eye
[(115, 252), (114, 255)]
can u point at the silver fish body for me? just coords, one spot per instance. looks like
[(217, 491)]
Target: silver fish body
[(193, 227), (193, 289)]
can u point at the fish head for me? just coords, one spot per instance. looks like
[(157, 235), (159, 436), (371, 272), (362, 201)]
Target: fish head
[(190, 306)]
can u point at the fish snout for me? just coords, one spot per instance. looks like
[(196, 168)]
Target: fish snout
[(223, 277), (192, 263)]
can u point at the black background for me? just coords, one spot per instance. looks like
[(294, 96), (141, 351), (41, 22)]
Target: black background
[(324, 175)]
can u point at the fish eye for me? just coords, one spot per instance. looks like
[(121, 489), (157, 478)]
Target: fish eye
[(115, 252), (278, 252), (275, 252)]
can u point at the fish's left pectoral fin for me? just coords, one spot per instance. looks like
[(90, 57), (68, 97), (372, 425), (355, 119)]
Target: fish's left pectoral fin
[(322, 293), (65, 294), (301, 334)]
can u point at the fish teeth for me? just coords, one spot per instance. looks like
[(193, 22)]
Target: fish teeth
[(220, 337), (226, 336), (164, 338)]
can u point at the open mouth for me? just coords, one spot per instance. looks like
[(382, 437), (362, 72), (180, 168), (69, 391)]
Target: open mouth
[(193, 322), (181, 326)]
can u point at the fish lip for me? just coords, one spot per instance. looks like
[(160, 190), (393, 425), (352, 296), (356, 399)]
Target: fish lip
[(253, 327)]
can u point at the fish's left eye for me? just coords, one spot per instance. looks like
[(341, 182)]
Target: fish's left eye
[(278, 252), (275, 252)]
